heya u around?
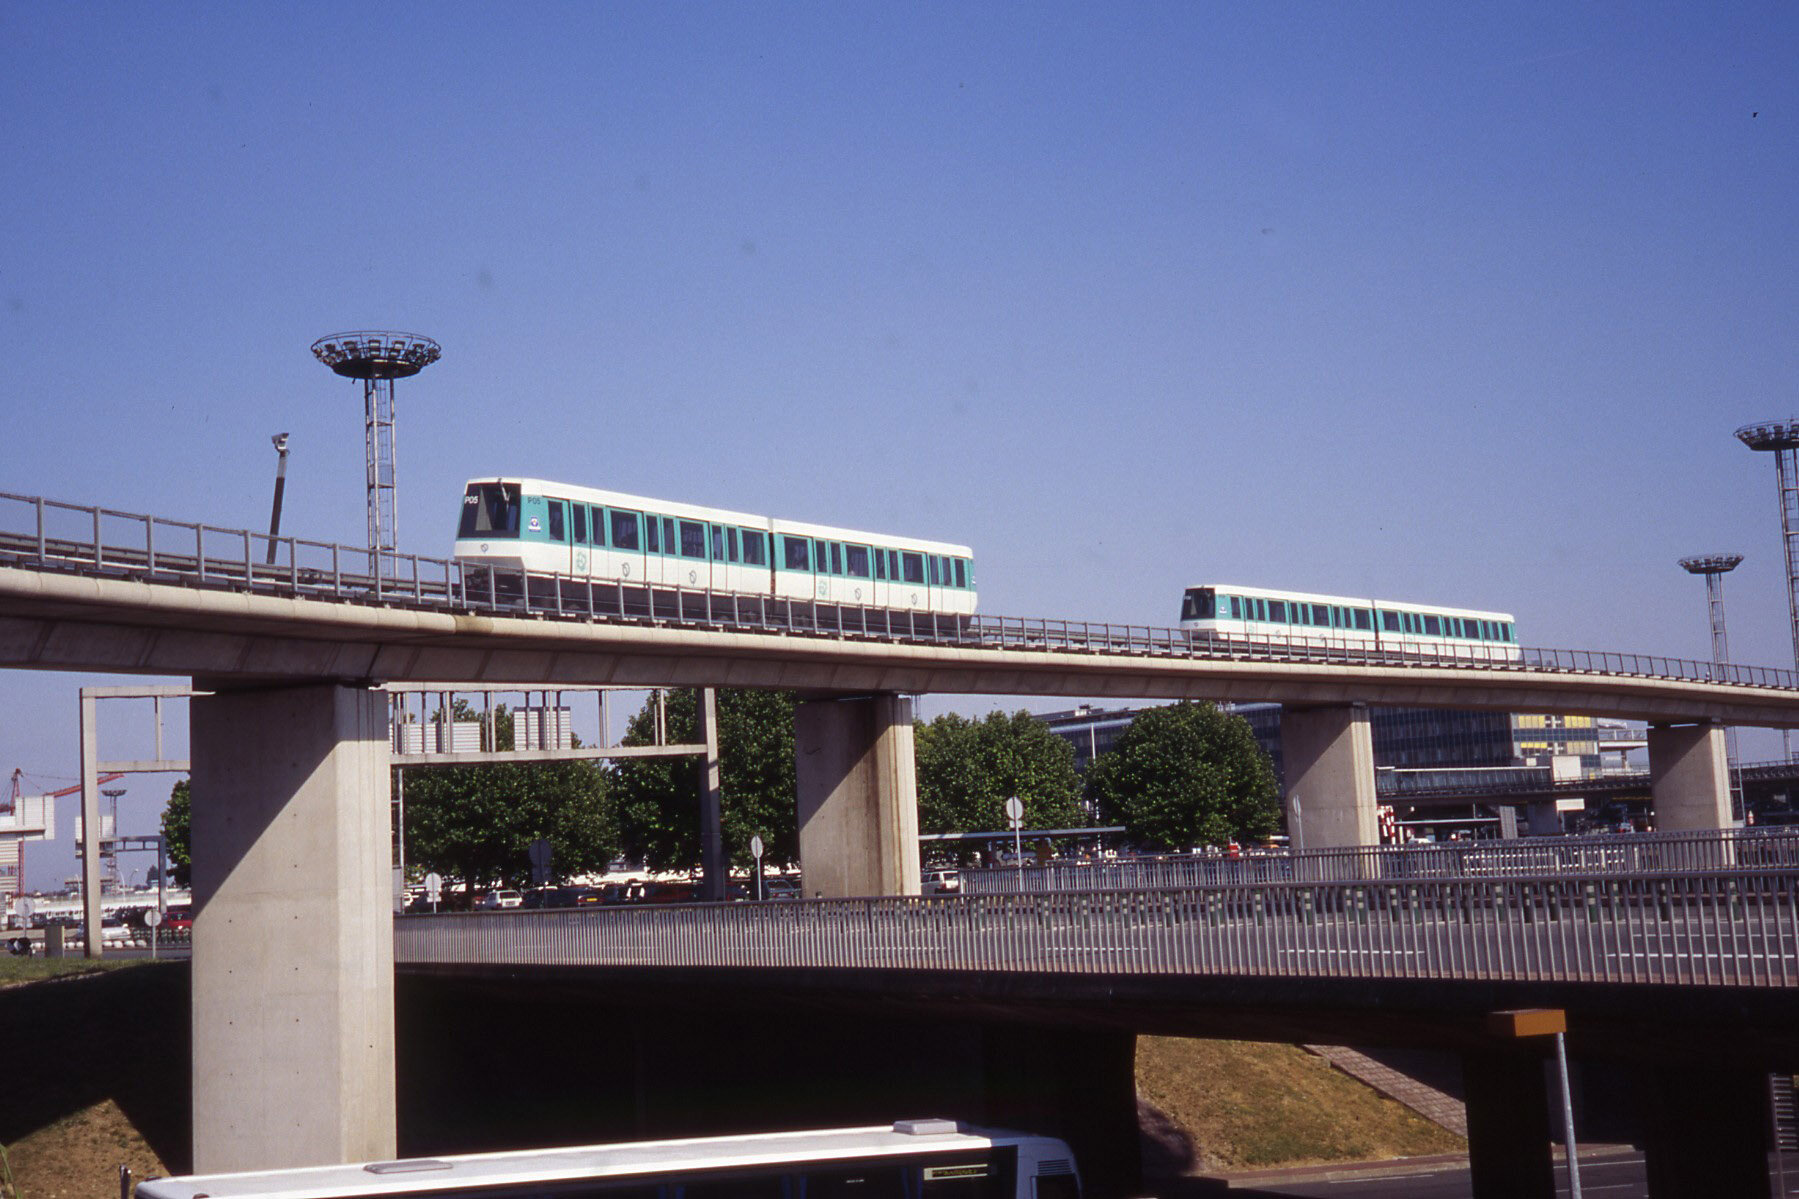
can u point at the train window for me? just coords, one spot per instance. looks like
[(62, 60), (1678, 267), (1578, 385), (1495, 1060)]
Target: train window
[(931, 562), (578, 512), (754, 548), (799, 553), (490, 509), (652, 541), (1277, 611), (836, 558), (857, 557), (1433, 627), (718, 543), (961, 573), (1236, 607), (1361, 620), (1321, 615), (693, 539), (557, 533), (597, 522), (624, 530), (914, 567), (731, 544), (881, 565), (668, 535)]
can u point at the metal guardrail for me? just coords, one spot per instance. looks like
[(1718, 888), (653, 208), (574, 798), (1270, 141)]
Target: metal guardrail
[(1651, 854), (52, 535), (1727, 928)]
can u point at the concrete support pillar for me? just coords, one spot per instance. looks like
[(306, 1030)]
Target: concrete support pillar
[(1329, 756), (1509, 1133), (858, 797), (1705, 1132), (293, 1007), (713, 860), (1689, 777)]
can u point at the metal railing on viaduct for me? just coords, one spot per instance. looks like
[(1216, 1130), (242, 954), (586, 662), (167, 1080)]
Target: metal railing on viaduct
[(1727, 927), (1604, 855), (50, 535)]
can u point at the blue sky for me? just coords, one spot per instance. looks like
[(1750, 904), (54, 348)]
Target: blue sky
[(1406, 300)]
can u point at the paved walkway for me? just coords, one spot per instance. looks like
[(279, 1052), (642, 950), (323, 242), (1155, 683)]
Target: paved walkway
[(1434, 1105)]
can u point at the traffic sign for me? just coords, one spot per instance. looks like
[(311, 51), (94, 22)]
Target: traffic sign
[(756, 846), (1015, 811), (434, 886)]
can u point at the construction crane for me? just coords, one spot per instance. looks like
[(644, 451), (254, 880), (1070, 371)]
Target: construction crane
[(11, 806)]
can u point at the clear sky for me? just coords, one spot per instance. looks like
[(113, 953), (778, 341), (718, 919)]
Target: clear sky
[(1420, 301)]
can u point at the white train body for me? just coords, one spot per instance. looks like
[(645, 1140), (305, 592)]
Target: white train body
[(1257, 614), (586, 533)]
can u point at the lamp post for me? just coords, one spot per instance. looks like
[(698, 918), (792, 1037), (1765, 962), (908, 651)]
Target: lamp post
[(280, 440), (1714, 567)]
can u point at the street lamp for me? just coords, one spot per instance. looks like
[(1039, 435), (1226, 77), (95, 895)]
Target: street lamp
[(280, 440)]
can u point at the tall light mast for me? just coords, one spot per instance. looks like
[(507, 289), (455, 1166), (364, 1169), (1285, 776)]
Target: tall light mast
[(378, 357), (1714, 567)]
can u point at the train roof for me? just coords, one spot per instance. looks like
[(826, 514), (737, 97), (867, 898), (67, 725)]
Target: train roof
[(596, 495), (459, 1172), (1347, 601)]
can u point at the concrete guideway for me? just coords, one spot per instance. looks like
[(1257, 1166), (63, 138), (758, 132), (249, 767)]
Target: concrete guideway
[(57, 621)]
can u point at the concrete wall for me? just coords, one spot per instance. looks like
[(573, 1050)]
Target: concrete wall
[(858, 797), (1329, 756), (293, 929)]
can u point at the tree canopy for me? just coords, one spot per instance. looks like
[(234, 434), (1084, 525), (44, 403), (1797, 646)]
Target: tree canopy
[(177, 820), (657, 799), (1187, 774), (477, 823), (967, 769)]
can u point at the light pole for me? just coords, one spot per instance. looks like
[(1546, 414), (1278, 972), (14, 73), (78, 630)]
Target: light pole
[(1714, 567), (280, 440)]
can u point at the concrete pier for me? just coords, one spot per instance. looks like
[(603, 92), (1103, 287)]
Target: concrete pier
[(858, 797), (293, 1011), (1689, 776), (1330, 776)]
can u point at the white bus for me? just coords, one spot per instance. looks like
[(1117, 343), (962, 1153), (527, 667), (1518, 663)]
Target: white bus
[(910, 1159)]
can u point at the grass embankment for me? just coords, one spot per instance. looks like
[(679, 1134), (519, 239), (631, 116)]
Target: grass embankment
[(1246, 1105), (93, 1075)]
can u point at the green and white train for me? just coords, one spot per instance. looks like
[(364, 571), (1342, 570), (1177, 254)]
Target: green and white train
[(1258, 615), (539, 527)]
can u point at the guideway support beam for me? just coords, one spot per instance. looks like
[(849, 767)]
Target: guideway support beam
[(293, 975), (858, 796), (1689, 776), (1330, 776)]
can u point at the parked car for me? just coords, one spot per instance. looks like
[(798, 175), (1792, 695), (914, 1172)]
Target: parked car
[(942, 882), (780, 888), (669, 892), (495, 900)]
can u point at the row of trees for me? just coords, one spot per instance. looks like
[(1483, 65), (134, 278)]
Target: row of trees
[(1180, 775)]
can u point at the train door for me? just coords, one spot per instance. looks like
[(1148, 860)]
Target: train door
[(914, 588), (858, 575), (659, 549), (580, 541), (793, 566), (624, 538), (722, 555), (561, 559), (821, 568)]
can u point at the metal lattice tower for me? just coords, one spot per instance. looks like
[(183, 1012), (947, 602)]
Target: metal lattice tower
[(378, 358), (1714, 567)]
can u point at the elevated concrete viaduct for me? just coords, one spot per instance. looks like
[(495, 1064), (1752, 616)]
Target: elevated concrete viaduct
[(293, 936)]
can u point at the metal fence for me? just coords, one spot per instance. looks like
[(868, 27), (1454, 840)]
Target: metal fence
[(50, 535), (1728, 928), (1621, 853)]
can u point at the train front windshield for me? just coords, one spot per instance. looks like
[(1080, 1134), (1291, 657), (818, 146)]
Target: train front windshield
[(490, 510), (1201, 603)]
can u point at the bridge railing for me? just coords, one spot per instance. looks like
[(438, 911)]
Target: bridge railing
[(52, 535), (1730, 928), (1623, 853)]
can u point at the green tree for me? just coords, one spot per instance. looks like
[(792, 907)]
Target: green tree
[(476, 823), (177, 819), (967, 769), (657, 799), (1187, 774)]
